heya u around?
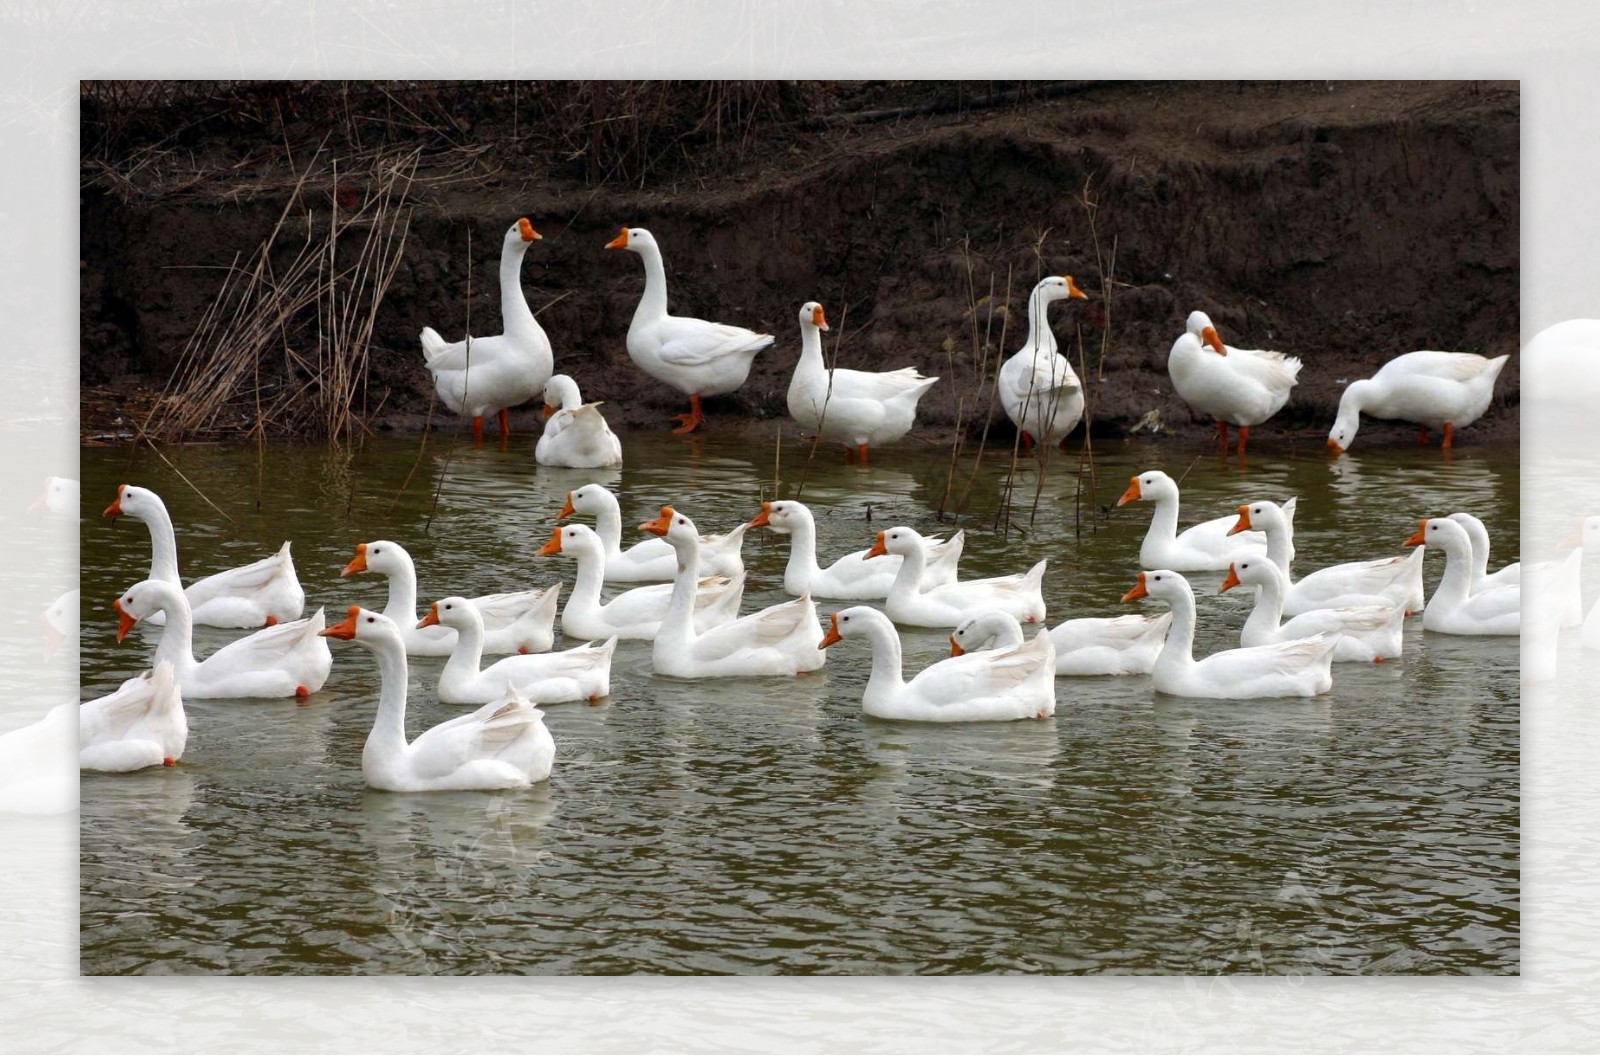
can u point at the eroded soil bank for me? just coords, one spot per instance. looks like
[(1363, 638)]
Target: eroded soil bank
[(1345, 223)]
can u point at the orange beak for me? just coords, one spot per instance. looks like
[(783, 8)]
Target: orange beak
[(528, 233), (1133, 494), (1333, 445), (955, 647), (357, 563), (1073, 291), (1232, 580), (1420, 536), (115, 509), (1243, 523), (554, 545), (764, 518), (42, 503), (125, 621), (818, 318), (1138, 590), (1575, 539), (431, 619), (833, 634), (1210, 337), (878, 549), (660, 525), (620, 242), (549, 410), (567, 510), (345, 630)]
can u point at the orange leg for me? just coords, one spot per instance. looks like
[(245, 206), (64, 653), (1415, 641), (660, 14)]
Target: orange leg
[(1244, 437), (1423, 437), (849, 453), (1449, 433), (863, 454), (168, 761), (272, 621), (693, 420), (477, 429), (505, 423), (302, 691)]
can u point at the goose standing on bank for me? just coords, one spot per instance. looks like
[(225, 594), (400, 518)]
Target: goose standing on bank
[(1236, 386), (1038, 389), (1442, 391), (694, 356), (576, 435), (857, 408), (485, 375)]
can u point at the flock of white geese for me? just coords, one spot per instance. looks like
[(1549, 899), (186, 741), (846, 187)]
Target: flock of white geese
[(683, 591)]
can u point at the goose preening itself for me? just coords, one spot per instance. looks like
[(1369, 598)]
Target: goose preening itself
[(285, 660), (255, 595), (912, 604), (650, 560), (1442, 391), (1381, 581), (778, 640), (857, 408), (516, 622), (1090, 645), (1209, 546), (1300, 668), (1370, 633), (1236, 386), (1453, 608), (576, 435), (635, 613), (479, 376), (855, 576), (580, 673), (503, 744), (696, 357), (140, 724), (1482, 579), (991, 685), (1038, 389)]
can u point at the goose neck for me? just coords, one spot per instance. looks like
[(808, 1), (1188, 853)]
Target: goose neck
[(163, 547), (402, 603), (514, 311), (466, 659), (653, 304), (388, 734)]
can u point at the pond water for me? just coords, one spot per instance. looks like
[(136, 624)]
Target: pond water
[(766, 825)]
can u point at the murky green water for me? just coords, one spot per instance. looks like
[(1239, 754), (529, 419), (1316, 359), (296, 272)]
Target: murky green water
[(763, 826)]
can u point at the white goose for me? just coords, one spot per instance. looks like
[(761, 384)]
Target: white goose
[(635, 613), (696, 357), (857, 408), (1300, 668), (60, 621), (519, 622), (1453, 608), (1238, 386), (60, 496), (1118, 645), (1482, 578), (1038, 389), (1436, 390), (582, 673), (993, 685), (779, 640), (854, 576), (1205, 547), (1396, 580), (575, 433), (484, 375), (287, 660), (651, 560), (1367, 633), (501, 745), (910, 604), (255, 595), (141, 724)]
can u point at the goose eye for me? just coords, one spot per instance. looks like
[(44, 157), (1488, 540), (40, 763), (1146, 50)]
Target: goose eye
[(847, 619), (370, 619)]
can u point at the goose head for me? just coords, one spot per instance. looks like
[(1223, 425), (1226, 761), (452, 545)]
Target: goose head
[(1058, 288), (1586, 534), (380, 556), (560, 393), (1250, 572), (674, 527), (1443, 533), (590, 500), (1199, 324), (132, 501), (849, 623), (634, 239), (782, 516), (1161, 583), (573, 540), (1152, 484), (143, 600), (521, 233), (991, 629), (1348, 421), (455, 612), (1259, 517), (901, 541), (60, 495), (812, 316), (365, 628)]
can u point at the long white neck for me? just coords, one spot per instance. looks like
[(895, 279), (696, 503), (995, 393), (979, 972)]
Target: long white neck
[(678, 624), (1351, 401), (1040, 336), (802, 568), (886, 678), (1455, 586), (515, 314), (1163, 526), (909, 578), (587, 582), (1267, 614), (163, 545), (571, 399), (402, 603), (1003, 634), (388, 736), (176, 644), (466, 659), (608, 524), (653, 305), (1278, 547), (1478, 535), (1177, 652), (810, 351)]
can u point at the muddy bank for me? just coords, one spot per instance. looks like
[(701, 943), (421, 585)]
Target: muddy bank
[(1343, 223)]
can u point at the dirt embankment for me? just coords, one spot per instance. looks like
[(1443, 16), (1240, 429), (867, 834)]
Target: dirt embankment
[(1344, 223)]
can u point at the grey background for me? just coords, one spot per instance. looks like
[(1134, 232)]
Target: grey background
[(45, 48)]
